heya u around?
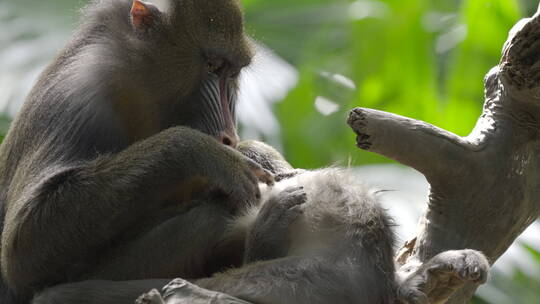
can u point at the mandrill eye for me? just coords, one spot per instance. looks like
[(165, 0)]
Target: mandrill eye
[(215, 66)]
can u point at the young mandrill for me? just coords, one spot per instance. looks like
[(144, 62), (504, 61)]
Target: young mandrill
[(316, 237), (321, 237)]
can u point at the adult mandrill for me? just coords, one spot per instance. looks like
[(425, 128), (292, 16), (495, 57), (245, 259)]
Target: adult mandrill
[(102, 171)]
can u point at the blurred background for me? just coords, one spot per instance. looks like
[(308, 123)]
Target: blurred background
[(316, 60)]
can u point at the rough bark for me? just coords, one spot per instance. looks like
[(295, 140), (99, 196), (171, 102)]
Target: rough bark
[(485, 188)]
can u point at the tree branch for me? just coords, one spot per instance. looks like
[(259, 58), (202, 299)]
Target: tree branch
[(485, 188), (411, 142)]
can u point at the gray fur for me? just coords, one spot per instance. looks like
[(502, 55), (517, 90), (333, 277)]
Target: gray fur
[(317, 237)]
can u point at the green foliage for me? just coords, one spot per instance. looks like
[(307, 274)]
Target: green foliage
[(4, 125), (418, 58)]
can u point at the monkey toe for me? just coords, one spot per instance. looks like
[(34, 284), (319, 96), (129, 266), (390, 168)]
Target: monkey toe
[(265, 176), (260, 173), (472, 273), (292, 189), (295, 197), (412, 296), (152, 297), (476, 267), (286, 175), (467, 265)]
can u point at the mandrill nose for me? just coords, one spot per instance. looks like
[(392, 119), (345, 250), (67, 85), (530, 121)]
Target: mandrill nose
[(228, 140)]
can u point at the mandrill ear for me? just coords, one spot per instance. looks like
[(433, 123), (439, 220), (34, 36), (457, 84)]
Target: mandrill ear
[(143, 15)]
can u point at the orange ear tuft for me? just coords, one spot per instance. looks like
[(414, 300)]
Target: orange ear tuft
[(141, 15)]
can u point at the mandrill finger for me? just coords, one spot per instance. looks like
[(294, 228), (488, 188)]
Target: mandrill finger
[(266, 177), (262, 174)]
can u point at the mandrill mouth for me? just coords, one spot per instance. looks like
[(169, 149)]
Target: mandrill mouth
[(225, 101), (219, 104)]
